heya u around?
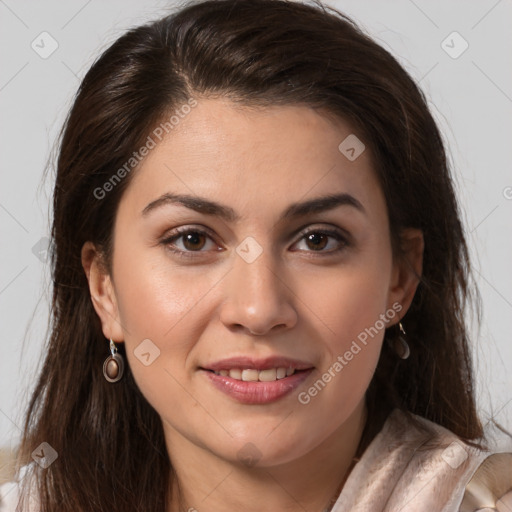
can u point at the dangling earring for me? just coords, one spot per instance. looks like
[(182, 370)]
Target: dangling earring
[(113, 367), (400, 345)]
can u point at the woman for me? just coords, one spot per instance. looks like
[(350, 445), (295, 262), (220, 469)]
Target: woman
[(260, 277)]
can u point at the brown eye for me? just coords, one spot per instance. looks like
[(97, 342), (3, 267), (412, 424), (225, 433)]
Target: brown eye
[(323, 241), (187, 242), (193, 240), (317, 241)]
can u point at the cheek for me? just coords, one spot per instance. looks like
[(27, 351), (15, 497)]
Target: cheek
[(153, 295), (351, 356), (161, 311), (350, 299), (354, 314)]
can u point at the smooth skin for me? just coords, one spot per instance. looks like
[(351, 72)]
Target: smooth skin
[(304, 297)]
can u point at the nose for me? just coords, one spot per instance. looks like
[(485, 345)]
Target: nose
[(257, 299)]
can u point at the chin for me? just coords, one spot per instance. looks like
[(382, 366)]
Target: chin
[(261, 449)]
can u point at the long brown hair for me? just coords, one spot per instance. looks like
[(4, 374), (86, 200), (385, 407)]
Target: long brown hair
[(109, 440)]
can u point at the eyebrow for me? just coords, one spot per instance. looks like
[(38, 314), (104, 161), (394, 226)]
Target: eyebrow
[(208, 207)]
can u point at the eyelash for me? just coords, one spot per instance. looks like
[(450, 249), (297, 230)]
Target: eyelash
[(180, 232)]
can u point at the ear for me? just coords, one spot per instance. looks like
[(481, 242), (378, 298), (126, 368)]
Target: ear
[(407, 269), (102, 292)]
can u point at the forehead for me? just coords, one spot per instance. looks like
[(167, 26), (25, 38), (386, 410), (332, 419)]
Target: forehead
[(254, 159)]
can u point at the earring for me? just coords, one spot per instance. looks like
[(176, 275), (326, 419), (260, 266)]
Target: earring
[(113, 367), (400, 345)]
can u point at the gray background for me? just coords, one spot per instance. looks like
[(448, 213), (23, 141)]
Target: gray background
[(470, 95)]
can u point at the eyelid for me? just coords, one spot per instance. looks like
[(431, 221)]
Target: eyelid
[(183, 230), (313, 228)]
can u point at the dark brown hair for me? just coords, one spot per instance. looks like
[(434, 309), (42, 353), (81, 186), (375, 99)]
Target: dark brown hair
[(258, 53)]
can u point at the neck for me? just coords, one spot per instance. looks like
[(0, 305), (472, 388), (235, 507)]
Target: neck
[(203, 481)]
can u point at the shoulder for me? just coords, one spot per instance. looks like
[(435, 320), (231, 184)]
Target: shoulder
[(417, 465), (447, 471), (10, 493)]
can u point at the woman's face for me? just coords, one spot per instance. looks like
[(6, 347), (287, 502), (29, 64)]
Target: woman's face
[(255, 282)]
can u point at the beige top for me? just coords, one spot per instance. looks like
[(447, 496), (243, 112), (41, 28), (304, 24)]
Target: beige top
[(406, 470)]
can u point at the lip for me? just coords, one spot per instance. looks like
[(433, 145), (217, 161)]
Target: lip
[(257, 392)]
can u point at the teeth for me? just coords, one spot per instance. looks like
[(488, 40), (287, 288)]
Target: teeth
[(281, 373), (252, 375), (268, 375), (236, 374)]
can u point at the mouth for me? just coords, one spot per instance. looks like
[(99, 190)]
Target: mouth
[(252, 381)]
